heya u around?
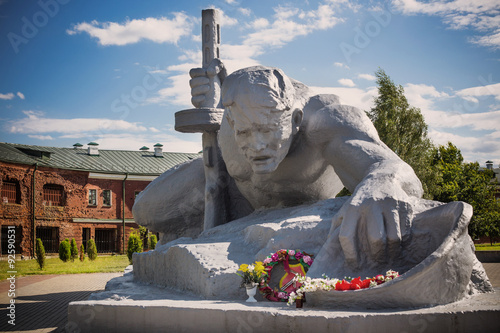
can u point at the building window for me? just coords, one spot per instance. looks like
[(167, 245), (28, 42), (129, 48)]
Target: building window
[(92, 197), (49, 237), (53, 195), (105, 240), (106, 198), (10, 192)]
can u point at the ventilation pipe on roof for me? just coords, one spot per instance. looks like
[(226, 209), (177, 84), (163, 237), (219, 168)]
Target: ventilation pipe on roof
[(93, 150), (489, 165), (77, 145), (158, 150)]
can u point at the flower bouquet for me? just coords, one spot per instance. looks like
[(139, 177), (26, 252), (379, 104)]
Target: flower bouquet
[(251, 274)]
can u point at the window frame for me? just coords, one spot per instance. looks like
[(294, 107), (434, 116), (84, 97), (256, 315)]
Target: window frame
[(90, 197), (50, 191), (11, 193), (104, 199)]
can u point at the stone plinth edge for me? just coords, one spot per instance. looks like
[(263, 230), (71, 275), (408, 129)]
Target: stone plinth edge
[(478, 314), (198, 120)]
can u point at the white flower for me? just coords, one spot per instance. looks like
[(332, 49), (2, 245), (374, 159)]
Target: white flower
[(251, 268)]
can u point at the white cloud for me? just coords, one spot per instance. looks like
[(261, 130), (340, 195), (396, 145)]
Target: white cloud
[(41, 137), (260, 23), (368, 77), (245, 11), (341, 65), (159, 30), (36, 123), (20, 95), (480, 91), (347, 82), (479, 15), (7, 96)]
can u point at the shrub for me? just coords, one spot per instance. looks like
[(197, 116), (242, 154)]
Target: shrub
[(40, 253), (134, 244), (82, 253), (152, 242), (73, 249), (64, 250), (91, 249)]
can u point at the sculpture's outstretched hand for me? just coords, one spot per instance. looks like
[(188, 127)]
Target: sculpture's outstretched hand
[(374, 221), (200, 80)]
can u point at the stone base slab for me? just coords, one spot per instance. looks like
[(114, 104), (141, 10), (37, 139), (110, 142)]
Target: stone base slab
[(480, 313)]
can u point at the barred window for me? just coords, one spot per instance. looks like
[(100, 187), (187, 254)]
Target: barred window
[(106, 198), (53, 195), (92, 197), (10, 192)]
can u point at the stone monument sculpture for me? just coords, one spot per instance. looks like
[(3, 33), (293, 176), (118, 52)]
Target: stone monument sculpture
[(284, 155)]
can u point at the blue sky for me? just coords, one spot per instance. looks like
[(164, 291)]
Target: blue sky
[(115, 72)]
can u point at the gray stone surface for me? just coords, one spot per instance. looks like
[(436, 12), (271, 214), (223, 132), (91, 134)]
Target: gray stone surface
[(285, 148)]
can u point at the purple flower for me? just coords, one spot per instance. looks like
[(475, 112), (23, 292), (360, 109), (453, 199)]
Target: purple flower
[(281, 295), (274, 257), (298, 255)]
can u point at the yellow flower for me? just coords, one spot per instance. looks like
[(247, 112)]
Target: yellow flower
[(243, 268)]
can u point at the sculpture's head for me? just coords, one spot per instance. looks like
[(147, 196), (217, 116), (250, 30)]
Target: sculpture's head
[(260, 104)]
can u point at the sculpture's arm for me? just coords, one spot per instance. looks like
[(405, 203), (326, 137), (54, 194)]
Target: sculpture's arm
[(174, 202), (379, 211)]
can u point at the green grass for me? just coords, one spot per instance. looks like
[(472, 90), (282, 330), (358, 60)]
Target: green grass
[(103, 264), (487, 247)]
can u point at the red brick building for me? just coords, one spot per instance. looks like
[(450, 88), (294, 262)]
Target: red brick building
[(56, 193)]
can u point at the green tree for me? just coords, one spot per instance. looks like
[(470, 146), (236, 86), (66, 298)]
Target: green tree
[(152, 242), (403, 129), (467, 182), (82, 253), (73, 249), (64, 250), (134, 244), (40, 253), (91, 249)]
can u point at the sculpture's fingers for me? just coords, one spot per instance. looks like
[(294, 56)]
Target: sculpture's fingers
[(196, 72), (348, 238), (197, 100), (199, 81), (376, 233), (200, 90)]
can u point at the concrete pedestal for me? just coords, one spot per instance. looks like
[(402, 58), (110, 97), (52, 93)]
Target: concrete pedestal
[(131, 307)]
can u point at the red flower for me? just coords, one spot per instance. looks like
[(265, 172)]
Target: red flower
[(356, 283), (343, 285), (366, 283)]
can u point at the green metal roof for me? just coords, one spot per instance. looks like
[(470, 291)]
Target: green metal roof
[(108, 161)]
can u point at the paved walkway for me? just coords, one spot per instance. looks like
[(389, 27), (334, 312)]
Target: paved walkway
[(42, 301)]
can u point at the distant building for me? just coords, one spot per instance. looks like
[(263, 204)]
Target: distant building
[(496, 179), (56, 193)]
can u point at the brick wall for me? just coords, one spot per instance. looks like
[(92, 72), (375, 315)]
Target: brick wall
[(76, 186)]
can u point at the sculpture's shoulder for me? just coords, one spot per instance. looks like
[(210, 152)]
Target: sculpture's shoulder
[(325, 119)]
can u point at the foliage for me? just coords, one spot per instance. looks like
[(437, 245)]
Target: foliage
[(466, 182), (152, 242), (91, 249), (73, 249), (403, 129), (103, 264), (40, 253), (134, 244), (64, 250), (252, 274), (82, 253)]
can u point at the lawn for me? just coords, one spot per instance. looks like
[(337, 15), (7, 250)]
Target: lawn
[(487, 247), (103, 264)]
